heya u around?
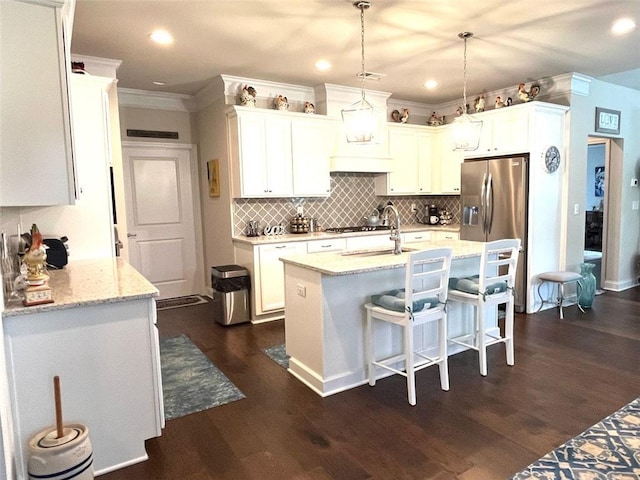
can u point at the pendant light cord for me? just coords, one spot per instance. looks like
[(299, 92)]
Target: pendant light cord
[(464, 36), (362, 6)]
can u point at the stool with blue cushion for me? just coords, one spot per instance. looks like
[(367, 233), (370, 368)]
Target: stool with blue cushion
[(560, 279), (492, 287), (422, 301)]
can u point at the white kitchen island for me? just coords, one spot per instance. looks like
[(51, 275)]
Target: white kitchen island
[(325, 317), (100, 337)]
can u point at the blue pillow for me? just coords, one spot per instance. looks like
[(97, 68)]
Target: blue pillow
[(470, 285), (394, 300)]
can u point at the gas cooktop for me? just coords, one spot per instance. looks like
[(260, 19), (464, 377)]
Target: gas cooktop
[(360, 228)]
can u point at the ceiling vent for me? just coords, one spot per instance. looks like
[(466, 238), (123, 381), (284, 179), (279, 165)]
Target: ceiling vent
[(370, 75)]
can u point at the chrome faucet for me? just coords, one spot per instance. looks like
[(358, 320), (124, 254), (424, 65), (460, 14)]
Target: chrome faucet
[(395, 229)]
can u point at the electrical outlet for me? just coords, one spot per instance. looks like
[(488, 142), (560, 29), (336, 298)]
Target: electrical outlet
[(634, 182), (413, 207), (302, 290), (576, 209), (635, 205)]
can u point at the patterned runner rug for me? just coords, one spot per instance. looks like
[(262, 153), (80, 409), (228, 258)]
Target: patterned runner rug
[(610, 450), (190, 382), (278, 354)]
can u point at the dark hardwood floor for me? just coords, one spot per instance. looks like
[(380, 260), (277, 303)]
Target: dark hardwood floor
[(568, 375)]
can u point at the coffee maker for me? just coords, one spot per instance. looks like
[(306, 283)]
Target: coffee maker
[(432, 214)]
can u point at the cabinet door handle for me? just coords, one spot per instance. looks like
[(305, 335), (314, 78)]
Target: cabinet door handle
[(281, 246), (129, 235)]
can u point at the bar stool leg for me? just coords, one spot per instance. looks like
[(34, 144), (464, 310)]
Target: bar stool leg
[(561, 298)]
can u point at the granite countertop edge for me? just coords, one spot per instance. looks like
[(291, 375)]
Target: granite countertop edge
[(336, 263), (85, 283), (304, 237)]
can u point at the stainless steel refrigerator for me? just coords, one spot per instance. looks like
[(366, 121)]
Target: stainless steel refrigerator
[(493, 198)]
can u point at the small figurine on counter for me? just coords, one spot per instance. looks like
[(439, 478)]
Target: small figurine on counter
[(527, 96), (36, 291), (435, 120), (405, 115), (248, 96), (479, 104), (309, 107), (281, 103), (395, 116)]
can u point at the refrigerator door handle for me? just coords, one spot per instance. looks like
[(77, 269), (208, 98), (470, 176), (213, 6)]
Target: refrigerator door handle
[(489, 203), (483, 205)]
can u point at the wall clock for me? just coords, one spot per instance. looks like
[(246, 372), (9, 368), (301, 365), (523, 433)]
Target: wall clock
[(551, 159)]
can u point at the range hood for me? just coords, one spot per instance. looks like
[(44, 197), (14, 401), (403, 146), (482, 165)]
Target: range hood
[(348, 157), (360, 164)]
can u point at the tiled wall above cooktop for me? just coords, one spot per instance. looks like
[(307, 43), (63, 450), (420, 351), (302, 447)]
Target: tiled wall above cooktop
[(352, 197)]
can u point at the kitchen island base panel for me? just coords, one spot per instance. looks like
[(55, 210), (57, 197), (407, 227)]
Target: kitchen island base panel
[(325, 320)]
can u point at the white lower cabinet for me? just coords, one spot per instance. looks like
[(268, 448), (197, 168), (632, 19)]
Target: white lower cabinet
[(445, 235), (269, 278), (108, 361), (415, 237), (329, 245)]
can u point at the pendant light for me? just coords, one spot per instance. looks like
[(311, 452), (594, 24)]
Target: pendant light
[(465, 129), (360, 119)]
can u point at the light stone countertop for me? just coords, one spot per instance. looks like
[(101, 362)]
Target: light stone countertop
[(90, 282), (347, 263), (303, 237)]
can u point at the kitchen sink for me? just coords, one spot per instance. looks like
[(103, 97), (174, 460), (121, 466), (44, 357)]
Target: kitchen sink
[(371, 253)]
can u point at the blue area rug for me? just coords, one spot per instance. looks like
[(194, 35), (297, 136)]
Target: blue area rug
[(278, 354), (610, 450), (190, 382)]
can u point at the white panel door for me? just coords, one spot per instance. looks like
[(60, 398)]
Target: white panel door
[(160, 218)]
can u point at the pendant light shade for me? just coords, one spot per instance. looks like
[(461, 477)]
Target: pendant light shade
[(361, 119), (465, 129)]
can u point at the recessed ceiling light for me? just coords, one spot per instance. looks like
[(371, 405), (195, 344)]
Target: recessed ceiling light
[(323, 65), (623, 25), (430, 84), (161, 37), (159, 82)]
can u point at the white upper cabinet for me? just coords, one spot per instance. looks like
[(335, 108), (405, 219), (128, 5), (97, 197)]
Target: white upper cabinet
[(410, 148), (278, 154), (36, 154), (446, 162), (311, 146), (261, 155), (509, 130)]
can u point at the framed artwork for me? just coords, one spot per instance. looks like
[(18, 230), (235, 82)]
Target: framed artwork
[(599, 182), (213, 175), (607, 121)]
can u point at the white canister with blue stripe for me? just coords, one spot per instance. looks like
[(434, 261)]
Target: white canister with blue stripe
[(68, 457)]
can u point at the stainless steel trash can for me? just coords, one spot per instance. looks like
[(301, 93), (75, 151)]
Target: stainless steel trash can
[(231, 285)]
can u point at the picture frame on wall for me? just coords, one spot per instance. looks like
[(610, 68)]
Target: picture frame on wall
[(607, 121), (213, 175)]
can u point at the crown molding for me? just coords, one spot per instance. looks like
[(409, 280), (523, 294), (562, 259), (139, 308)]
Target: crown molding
[(128, 97), (102, 67)]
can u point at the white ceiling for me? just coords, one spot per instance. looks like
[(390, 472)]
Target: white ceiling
[(408, 40)]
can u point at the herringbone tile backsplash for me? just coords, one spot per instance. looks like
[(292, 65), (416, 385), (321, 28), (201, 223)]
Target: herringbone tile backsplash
[(352, 197)]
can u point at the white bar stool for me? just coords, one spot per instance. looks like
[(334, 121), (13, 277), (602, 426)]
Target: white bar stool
[(560, 279)]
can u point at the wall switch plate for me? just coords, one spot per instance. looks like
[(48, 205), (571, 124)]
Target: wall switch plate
[(635, 205), (576, 208), (634, 182), (302, 290), (413, 207)]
